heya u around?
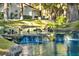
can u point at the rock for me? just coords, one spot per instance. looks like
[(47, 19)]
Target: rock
[(15, 50)]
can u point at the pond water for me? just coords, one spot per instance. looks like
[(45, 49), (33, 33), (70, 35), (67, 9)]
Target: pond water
[(41, 46), (73, 46)]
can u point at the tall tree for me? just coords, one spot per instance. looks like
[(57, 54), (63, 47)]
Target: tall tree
[(21, 11), (38, 6), (55, 9), (40, 11), (51, 8), (5, 11), (73, 12)]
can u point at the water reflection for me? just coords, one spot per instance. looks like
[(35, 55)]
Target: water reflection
[(40, 45), (73, 46), (63, 45)]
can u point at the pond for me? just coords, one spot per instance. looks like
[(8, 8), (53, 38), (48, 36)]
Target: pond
[(39, 45), (73, 45), (35, 45)]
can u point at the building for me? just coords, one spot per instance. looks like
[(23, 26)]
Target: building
[(14, 11)]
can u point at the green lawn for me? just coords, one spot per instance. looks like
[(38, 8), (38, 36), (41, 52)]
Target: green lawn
[(5, 44), (41, 23)]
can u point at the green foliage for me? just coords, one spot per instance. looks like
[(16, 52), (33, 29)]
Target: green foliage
[(12, 15), (60, 21), (1, 15), (2, 23), (51, 25), (55, 8), (73, 25), (1, 29), (27, 17), (52, 37)]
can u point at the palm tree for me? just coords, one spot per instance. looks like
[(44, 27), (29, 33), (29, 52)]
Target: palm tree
[(21, 11), (5, 11)]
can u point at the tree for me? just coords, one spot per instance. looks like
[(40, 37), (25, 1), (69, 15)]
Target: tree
[(73, 12), (1, 13), (52, 9), (40, 11), (55, 10), (21, 11), (5, 11), (38, 6), (33, 5), (47, 8)]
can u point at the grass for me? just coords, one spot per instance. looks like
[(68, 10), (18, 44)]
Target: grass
[(72, 26), (5, 44), (41, 23), (2, 52)]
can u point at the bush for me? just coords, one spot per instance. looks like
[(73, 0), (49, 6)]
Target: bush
[(60, 21), (1, 15), (13, 15), (51, 25), (27, 17)]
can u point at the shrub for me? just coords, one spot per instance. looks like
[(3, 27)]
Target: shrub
[(60, 21), (1, 15), (12, 15), (51, 25), (27, 17)]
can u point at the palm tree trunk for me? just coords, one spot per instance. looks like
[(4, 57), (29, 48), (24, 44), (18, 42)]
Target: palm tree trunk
[(5, 11), (21, 11)]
